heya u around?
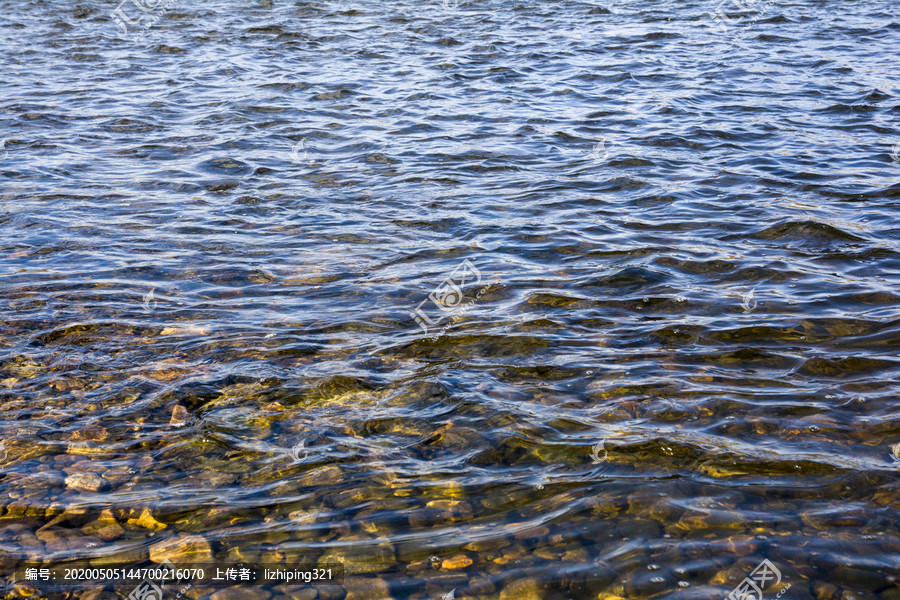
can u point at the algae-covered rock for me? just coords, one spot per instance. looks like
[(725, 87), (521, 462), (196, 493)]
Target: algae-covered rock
[(827, 591), (522, 589), (367, 589), (648, 582), (106, 527)]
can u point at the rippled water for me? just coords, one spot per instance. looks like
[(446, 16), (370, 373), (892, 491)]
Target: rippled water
[(671, 351)]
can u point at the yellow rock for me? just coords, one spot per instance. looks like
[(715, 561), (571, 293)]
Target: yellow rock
[(147, 521), (180, 416), (460, 561), (445, 504), (370, 527), (522, 589), (85, 449), (25, 590)]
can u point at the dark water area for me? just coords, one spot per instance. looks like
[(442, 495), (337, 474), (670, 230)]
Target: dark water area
[(501, 300)]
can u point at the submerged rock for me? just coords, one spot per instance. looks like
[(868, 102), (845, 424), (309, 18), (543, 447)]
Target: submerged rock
[(522, 589), (826, 591), (461, 561), (106, 527), (180, 416), (88, 482), (367, 589), (240, 593), (182, 550), (147, 521)]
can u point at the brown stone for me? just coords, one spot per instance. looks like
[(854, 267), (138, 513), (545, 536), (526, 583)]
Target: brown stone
[(367, 589), (522, 589), (180, 416), (109, 532), (826, 591), (298, 592), (330, 592), (92, 594), (743, 545), (185, 549), (891, 594), (88, 482), (240, 593), (196, 592), (94, 433), (106, 527), (133, 555)]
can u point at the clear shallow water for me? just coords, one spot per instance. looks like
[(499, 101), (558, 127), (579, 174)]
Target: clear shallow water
[(214, 236)]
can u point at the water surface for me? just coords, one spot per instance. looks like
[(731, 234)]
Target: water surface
[(673, 352)]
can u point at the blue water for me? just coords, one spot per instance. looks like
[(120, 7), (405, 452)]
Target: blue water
[(510, 300)]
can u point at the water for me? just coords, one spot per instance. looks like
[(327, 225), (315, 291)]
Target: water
[(672, 349)]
